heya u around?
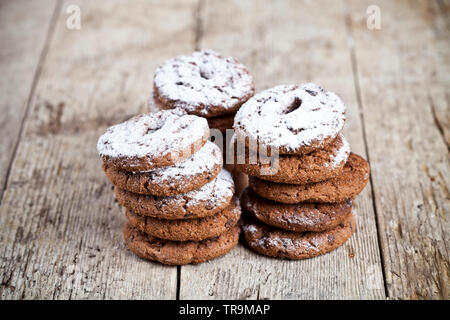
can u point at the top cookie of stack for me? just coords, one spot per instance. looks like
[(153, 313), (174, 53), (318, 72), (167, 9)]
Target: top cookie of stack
[(205, 84), (169, 177), (306, 198)]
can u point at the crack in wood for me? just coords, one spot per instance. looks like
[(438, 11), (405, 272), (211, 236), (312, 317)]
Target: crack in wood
[(354, 65), (437, 122), (36, 77)]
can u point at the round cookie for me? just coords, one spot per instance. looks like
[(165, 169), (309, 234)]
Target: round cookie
[(319, 165), (190, 174), (315, 217), (188, 230), (291, 119), (203, 83), (347, 185), (210, 199), (153, 140), (278, 243), (179, 253)]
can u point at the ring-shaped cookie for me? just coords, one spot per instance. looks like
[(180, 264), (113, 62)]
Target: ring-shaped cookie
[(153, 140), (203, 83), (190, 174), (291, 119)]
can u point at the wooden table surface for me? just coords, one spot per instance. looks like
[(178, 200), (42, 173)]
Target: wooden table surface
[(60, 88)]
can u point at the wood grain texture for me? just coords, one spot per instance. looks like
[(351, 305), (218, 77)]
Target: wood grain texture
[(24, 26), (403, 72), (438, 22), (60, 228), (291, 42)]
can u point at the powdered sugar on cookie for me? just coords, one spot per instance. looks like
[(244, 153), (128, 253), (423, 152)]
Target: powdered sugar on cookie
[(203, 80), (218, 190), (205, 160), (341, 154), (291, 116), (213, 194), (154, 135)]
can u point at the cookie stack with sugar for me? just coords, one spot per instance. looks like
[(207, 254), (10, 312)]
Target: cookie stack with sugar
[(205, 84), (179, 201), (302, 207)]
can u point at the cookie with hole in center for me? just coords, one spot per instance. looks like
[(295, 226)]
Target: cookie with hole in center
[(204, 83), (179, 253), (347, 185), (319, 165), (190, 174), (210, 199), (278, 243), (188, 230), (315, 217), (291, 119), (153, 140)]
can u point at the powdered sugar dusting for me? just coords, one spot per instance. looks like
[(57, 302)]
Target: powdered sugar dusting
[(205, 160), (291, 116), (153, 105), (152, 135), (203, 79), (214, 192), (280, 241), (342, 153), (250, 228)]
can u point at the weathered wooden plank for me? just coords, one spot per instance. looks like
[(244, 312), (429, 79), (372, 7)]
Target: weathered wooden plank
[(440, 99), (61, 231), (291, 42), (403, 72), (23, 30)]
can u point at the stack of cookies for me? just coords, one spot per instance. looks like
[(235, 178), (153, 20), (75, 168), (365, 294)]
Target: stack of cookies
[(299, 205), (205, 84), (179, 201)]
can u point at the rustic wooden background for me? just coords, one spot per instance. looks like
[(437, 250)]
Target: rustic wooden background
[(60, 228)]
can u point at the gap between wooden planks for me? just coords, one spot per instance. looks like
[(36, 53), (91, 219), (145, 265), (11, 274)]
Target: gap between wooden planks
[(291, 42), (24, 30)]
